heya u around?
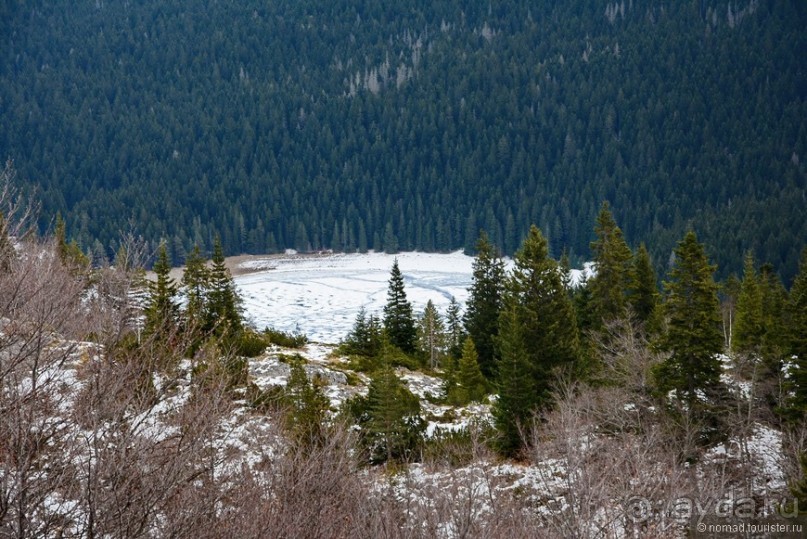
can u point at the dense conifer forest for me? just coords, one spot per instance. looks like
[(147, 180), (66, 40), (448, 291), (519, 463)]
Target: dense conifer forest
[(356, 125)]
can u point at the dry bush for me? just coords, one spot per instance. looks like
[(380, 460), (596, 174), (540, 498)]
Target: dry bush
[(40, 303)]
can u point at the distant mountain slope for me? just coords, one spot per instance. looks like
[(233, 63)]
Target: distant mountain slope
[(353, 124)]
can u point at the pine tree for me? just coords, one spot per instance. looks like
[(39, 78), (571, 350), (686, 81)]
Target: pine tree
[(431, 335), (612, 258), (545, 313), (517, 399), (749, 324), (195, 285), (162, 310), (69, 253), (471, 385), (398, 321), (392, 428), (774, 319), (224, 304), (693, 337), (644, 296), (485, 303)]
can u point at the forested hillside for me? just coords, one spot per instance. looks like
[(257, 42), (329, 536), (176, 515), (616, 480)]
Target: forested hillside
[(353, 125)]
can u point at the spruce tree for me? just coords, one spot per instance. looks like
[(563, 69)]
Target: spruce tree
[(545, 313), (485, 303), (399, 323), (693, 336), (517, 399), (70, 253), (224, 304), (644, 296), (471, 385), (613, 263), (749, 324), (195, 285), (392, 428), (162, 310), (774, 319)]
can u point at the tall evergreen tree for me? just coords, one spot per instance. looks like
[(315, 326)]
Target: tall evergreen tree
[(513, 408), (612, 258), (693, 337), (398, 320), (485, 303), (224, 304), (162, 309), (70, 253), (391, 424), (195, 285), (644, 296), (545, 313), (774, 319), (749, 324), (365, 337), (470, 383)]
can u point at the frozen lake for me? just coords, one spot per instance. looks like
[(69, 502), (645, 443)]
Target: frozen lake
[(320, 295)]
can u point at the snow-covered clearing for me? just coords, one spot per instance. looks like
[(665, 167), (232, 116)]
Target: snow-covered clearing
[(320, 295)]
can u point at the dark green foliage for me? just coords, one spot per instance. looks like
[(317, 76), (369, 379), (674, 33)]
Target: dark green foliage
[(545, 313), (484, 303), (284, 339), (389, 417), (399, 323), (516, 402), (266, 135), (774, 316), (307, 408), (749, 325), (693, 337), (195, 287), (69, 253), (644, 295), (613, 265), (469, 385), (250, 343), (365, 338), (162, 309), (538, 340), (223, 303)]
